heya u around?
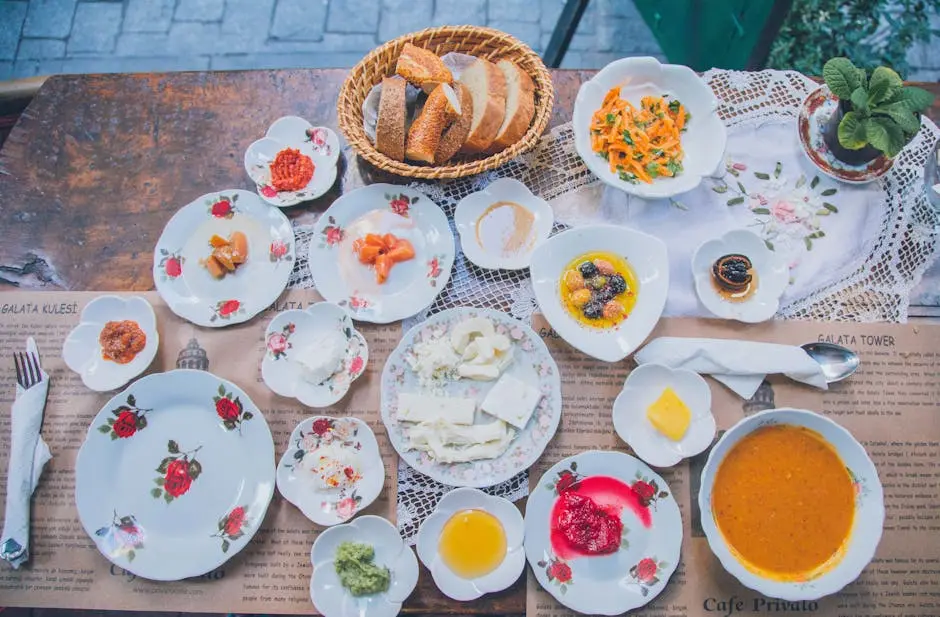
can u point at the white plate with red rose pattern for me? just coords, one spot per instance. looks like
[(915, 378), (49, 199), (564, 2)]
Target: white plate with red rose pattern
[(650, 539), (185, 284), (175, 475), (317, 142), (363, 473), (290, 333), (411, 285), (531, 363)]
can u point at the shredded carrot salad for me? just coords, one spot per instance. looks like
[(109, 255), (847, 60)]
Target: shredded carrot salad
[(640, 144)]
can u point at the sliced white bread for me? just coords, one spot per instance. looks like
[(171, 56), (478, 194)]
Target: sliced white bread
[(422, 67), (520, 106), (487, 86), (425, 132), (390, 126), (456, 134)]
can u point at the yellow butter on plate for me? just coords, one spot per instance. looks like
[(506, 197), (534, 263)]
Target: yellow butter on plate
[(669, 415)]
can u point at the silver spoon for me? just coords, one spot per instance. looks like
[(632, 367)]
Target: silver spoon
[(836, 361)]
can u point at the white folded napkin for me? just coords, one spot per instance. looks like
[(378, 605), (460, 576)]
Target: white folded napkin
[(28, 455), (740, 365)]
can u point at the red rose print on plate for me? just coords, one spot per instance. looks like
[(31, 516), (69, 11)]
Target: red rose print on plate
[(332, 234), (317, 138), (400, 204), (646, 573), (557, 571), (647, 490), (355, 366), (232, 526), (127, 420), (268, 191), (230, 410), (278, 342), (224, 309), (279, 250), (565, 479), (179, 470), (171, 265), (123, 537)]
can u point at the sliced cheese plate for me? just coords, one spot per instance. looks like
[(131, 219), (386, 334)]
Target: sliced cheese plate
[(463, 359)]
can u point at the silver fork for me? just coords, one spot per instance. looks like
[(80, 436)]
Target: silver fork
[(28, 373)]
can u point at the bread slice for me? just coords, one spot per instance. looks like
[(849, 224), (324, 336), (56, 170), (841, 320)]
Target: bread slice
[(520, 106), (390, 126), (487, 86), (425, 133), (422, 67), (455, 136)]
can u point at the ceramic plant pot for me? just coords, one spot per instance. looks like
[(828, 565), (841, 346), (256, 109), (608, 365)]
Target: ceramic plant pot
[(851, 157)]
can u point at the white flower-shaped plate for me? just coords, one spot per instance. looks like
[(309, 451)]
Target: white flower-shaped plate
[(645, 254), (771, 271), (382, 208), (643, 386), (332, 506), (317, 142), (188, 288), (429, 535), (82, 352), (869, 507), (532, 363), (618, 582), (472, 207), (703, 142), (292, 331), (190, 474), (331, 599)]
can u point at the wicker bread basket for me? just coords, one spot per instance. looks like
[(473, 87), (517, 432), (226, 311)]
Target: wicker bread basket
[(476, 41)]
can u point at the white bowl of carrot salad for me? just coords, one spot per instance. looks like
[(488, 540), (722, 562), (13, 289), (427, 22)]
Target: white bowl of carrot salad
[(647, 128)]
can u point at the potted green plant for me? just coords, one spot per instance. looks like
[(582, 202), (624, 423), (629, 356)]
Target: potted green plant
[(876, 115)]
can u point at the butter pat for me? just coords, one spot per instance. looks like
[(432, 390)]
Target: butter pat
[(511, 400), (669, 415), (425, 408)]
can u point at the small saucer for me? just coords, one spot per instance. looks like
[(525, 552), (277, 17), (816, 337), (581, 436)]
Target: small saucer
[(815, 113), (641, 389), (772, 277), (471, 210), (317, 142), (457, 587), (329, 596), (293, 330), (338, 505), (82, 351)]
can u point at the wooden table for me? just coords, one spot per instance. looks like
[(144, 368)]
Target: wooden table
[(98, 163)]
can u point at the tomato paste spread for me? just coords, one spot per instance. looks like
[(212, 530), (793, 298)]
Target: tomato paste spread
[(586, 526), (121, 341), (291, 170)]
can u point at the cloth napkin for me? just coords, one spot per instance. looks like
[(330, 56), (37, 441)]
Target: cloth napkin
[(28, 456), (740, 365)]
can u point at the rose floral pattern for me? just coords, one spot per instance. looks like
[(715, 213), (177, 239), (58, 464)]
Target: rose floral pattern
[(317, 138), (564, 479), (178, 472), (127, 420), (279, 251), (223, 207), (434, 269), (557, 571), (232, 526), (400, 204), (278, 342), (230, 409), (646, 573), (171, 264), (224, 309), (332, 234), (647, 490), (122, 538)]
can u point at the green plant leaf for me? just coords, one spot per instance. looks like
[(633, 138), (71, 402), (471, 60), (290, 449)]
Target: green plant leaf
[(723, 188), (156, 493), (760, 211), (742, 188), (884, 83), (885, 135), (852, 132), (830, 207), (916, 99), (173, 447), (860, 101), (734, 201), (769, 244), (899, 112), (829, 192), (815, 181), (761, 175), (841, 76)]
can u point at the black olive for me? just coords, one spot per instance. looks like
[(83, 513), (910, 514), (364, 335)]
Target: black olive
[(604, 295), (587, 269), (593, 309), (617, 284)]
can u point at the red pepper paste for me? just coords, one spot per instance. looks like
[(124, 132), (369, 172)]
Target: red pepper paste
[(121, 341), (586, 526), (291, 170)]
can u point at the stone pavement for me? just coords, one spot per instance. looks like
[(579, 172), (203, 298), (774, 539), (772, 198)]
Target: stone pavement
[(40, 37)]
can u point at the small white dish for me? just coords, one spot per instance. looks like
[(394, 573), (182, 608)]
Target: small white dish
[(481, 241), (82, 351), (337, 505), (292, 331), (451, 584), (317, 142), (703, 142), (331, 599), (643, 387), (645, 254), (771, 271)]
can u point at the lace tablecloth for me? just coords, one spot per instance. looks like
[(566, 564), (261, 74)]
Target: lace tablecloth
[(898, 231)]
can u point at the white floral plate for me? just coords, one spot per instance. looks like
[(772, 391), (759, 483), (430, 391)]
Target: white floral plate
[(293, 330), (317, 142), (331, 506), (772, 276), (188, 288), (82, 351), (869, 507), (643, 386), (411, 285), (645, 254), (506, 573), (331, 599), (190, 474), (532, 363), (483, 246), (649, 553)]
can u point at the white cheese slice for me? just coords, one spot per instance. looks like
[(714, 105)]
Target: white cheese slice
[(511, 400), (449, 443), (426, 408)]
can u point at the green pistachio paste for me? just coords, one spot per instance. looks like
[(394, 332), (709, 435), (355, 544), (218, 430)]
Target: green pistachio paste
[(356, 571)]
